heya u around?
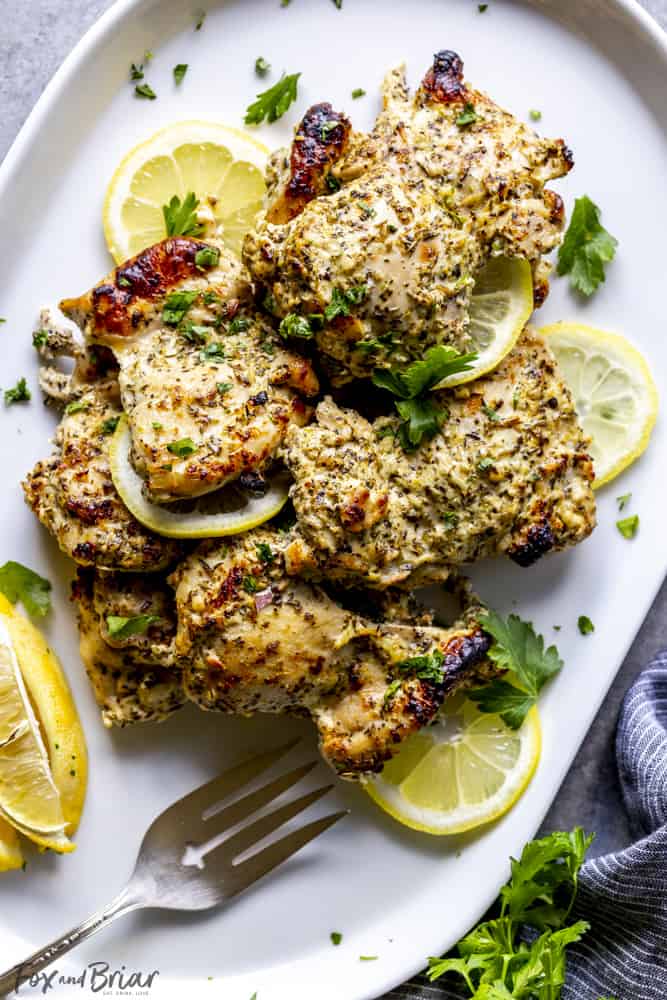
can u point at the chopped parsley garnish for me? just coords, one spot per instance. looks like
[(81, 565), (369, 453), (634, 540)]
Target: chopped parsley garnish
[(211, 299), (182, 448), (200, 20), (332, 182), (357, 93), (180, 217), (427, 667), (338, 4), (336, 937), (422, 416), (385, 342), (251, 585), (262, 67), (451, 518), (519, 649), (122, 282), (521, 950), (122, 628), (39, 338), (392, 691), (77, 406), (491, 413), (623, 501), (146, 91), (368, 958), (239, 324), (156, 425), (19, 394), (207, 257), (295, 326), (485, 464), (628, 526), (468, 116), (269, 303), (342, 301), (585, 625), (265, 553), (223, 387), (176, 306), (109, 425), (327, 128), (19, 583), (587, 248), (195, 333), (148, 55), (274, 102), (481, 7), (179, 72), (535, 115), (136, 72), (213, 352)]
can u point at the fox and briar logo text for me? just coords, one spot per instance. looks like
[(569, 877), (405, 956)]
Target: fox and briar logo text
[(98, 977)]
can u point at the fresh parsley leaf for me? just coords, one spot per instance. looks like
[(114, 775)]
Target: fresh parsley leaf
[(214, 353), (109, 425), (392, 691), (180, 217), (341, 301), (207, 257), (274, 102), (535, 115), (587, 247), (2, 320), (176, 306), (519, 649), (200, 20), (145, 90), (19, 583), (485, 464), (123, 282), (422, 418), (136, 72), (336, 937), (585, 625), (77, 406), (328, 128), (482, 7), (223, 387), (295, 326), (357, 93), (332, 182), (156, 425), (468, 116), (491, 413), (40, 339), (122, 628), (194, 333), (239, 324), (262, 67), (19, 394), (628, 526), (427, 667), (182, 448), (623, 501), (265, 553), (251, 585), (179, 72)]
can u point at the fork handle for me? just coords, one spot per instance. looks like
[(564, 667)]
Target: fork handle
[(124, 903)]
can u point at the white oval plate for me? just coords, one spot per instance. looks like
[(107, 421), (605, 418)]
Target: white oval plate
[(597, 71)]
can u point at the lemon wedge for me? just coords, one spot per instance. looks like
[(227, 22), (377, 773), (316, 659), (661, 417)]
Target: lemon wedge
[(614, 393), (466, 770), (501, 305), (29, 798), (54, 706), (11, 855), (223, 166), (225, 512)]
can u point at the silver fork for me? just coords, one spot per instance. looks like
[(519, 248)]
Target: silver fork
[(185, 863)]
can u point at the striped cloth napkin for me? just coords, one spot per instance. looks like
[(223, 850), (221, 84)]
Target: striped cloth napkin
[(623, 896)]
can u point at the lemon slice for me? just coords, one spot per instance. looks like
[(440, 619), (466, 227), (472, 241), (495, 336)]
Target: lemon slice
[(223, 166), (501, 305), (614, 393), (464, 771), (49, 692), (29, 798), (201, 520)]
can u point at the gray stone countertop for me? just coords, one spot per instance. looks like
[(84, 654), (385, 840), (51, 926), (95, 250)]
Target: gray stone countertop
[(36, 36)]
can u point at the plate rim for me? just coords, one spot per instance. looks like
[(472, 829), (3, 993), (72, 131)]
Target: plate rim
[(11, 165)]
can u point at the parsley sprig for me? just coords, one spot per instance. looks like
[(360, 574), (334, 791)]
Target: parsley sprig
[(422, 416), (587, 247), (519, 649), (272, 104), (496, 960), (20, 583), (122, 628), (180, 217)]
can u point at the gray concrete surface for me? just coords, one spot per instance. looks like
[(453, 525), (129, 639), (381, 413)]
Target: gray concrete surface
[(35, 37)]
